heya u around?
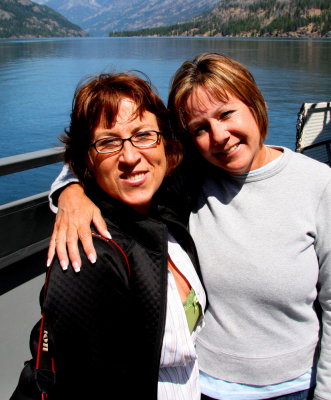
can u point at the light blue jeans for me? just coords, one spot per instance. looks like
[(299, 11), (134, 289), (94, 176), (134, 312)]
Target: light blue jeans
[(302, 395)]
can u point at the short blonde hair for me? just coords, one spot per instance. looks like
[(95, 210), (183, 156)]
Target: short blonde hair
[(218, 74)]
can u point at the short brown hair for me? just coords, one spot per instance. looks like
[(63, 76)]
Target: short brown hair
[(96, 99), (218, 74)]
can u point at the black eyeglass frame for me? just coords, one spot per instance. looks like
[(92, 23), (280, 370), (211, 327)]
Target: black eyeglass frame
[(158, 134)]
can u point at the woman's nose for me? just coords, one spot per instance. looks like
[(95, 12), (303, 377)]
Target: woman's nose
[(129, 153), (218, 132)]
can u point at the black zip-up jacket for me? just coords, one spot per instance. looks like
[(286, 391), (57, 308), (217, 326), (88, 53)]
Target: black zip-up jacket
[(105, 323)]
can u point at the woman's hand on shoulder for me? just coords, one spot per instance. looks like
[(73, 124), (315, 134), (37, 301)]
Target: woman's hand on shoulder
[(76, 213)]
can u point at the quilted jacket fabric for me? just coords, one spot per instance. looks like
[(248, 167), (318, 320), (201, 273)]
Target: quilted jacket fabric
[(106, 324)]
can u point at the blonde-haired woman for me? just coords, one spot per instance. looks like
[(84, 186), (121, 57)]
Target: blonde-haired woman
[(260, 217)]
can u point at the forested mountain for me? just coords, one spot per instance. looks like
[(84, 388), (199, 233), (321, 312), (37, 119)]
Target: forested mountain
[(23, 18), (99, 17), (289, 18), (294, 18)]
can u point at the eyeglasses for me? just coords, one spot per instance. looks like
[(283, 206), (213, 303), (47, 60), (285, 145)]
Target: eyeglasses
[(113, 144)]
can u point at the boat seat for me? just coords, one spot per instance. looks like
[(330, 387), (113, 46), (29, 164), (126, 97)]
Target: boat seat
[(314, 131), (25, 228), (26, 224)]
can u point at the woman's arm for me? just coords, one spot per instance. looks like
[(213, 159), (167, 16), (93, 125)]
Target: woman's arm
[(75, 214), (64, 179), (323, 250), (73, 221)]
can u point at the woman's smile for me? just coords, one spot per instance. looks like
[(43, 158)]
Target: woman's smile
[(135, 177)]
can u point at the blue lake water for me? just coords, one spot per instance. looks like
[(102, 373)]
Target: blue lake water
[(38, 78)]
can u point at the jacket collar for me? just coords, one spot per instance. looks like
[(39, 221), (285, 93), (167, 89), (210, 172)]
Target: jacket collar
[(148, 230)]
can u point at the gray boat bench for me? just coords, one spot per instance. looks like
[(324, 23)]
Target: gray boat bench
[(26, 224)]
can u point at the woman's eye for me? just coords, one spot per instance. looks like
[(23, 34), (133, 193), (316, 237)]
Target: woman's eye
[(226, 114), (142, 135), (200, 130), (108, 142)]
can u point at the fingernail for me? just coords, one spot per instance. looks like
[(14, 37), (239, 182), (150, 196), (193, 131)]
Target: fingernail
[(92, 258), (108, 235), (64, 265), (76, 266), (48, 262)]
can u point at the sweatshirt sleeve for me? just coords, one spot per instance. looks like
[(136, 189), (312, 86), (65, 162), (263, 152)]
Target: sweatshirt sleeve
[(64, 179), (323, 250)]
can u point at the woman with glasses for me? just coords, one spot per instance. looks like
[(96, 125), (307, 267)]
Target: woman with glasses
[(125, 326), (260, 218)]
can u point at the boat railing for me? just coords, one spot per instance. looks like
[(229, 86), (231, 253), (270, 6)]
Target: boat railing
[(314, 131), (25, 228), (26, 224)]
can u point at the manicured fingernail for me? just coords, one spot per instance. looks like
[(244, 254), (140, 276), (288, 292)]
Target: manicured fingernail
[(64, 265), (92, 258), (76, 266), (48, 263), (108, 235)]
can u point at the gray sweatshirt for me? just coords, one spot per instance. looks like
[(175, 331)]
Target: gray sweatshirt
[(264, 244)]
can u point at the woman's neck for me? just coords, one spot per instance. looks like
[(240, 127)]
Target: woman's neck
[(271, 153)]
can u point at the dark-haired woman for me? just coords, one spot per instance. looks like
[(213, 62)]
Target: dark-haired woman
[(124, 327)]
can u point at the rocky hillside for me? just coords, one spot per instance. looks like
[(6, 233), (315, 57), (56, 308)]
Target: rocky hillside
[(99, 17), (277, 18), (23, 18)]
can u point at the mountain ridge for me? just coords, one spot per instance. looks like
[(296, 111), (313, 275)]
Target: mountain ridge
[(24, 19), (99, 17), (255, 18), (289, 18)]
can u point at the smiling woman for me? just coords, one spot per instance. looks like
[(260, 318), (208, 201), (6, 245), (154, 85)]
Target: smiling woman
[(259, 216), (226, 133), (119, 328), (225, 113), (132, 170), (268, 257)]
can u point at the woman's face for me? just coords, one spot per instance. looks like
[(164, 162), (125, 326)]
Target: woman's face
[(225, 133), (131, 175)]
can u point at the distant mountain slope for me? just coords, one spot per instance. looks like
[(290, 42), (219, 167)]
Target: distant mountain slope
[(98, 17), (23, 18), (289, 18)]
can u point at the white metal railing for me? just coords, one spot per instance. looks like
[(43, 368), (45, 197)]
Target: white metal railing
[(314, 131)]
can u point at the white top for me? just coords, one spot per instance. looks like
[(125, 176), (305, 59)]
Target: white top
[(179, 372), (65, 178)]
